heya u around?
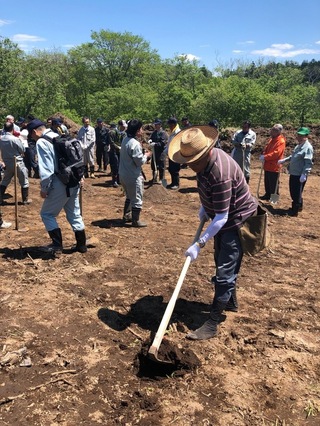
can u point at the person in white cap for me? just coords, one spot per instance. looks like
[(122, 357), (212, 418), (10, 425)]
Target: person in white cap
[(10, 119)]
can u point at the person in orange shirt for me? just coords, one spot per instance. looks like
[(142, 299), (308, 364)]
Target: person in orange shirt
[(272, 153)]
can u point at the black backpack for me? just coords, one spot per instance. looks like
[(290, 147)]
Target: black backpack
[(69, 158)]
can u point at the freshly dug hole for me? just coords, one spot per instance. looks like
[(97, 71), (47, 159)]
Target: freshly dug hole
[(181, 361)]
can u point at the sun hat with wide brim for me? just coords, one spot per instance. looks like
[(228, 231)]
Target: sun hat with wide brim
[(190, 144)]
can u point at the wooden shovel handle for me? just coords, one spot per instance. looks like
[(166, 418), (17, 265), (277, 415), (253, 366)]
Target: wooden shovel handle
[(170, 307), (154, 162), (259, 182), (16, 193)]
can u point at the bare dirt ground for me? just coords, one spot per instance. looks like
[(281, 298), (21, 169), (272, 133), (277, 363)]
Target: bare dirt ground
[(84, 317)]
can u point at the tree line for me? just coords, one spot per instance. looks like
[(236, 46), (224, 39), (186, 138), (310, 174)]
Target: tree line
[(119, 75)]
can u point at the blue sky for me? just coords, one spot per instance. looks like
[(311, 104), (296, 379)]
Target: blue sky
[(214, 32)]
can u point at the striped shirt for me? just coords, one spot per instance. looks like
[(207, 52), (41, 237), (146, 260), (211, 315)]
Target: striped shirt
[(223, 189)]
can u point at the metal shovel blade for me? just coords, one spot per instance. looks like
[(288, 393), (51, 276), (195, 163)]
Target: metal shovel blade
[(164, 183), (274, 198)]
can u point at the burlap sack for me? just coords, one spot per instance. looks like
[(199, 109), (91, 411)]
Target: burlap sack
[(253, 233)]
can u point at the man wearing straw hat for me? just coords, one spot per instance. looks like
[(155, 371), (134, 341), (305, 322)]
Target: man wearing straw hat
[(226, 200)]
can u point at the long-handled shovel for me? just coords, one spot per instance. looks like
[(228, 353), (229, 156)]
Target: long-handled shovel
[(16, 194), (164, 180), (259, 182), (81, 199), (25, 229), (274, 198), (155, 173), (154, 348), (243, 158)]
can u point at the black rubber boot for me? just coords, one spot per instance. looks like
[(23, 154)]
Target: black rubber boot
[(175, 183), (232, 305), (155, 177), (81, 242), (115, 180), (56, 245), (127, 215), (210, 327), (25, 196), (265, 197), (136, 218), (2, 192), (92, 175), (294, 210)]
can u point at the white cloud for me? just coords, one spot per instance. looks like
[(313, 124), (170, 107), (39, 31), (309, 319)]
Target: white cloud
[(17, 38), (246, 42), (4, 22), (237, 51), (190, 57), (284, 50), (68, 46), (318, 42), (284, 46)]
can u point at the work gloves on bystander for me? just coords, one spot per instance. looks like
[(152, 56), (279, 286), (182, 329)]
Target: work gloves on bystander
[(303, 178)]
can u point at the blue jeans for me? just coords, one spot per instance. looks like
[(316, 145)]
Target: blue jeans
[(228, 256)]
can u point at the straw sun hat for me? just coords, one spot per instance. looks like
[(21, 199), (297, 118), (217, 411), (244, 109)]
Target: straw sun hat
[(192, 143)]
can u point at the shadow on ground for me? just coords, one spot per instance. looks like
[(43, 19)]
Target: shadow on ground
[(148, 311)]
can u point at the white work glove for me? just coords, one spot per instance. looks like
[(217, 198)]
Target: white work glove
[(261, 158), (303, 178), (282, 161), (203, 214), (193, 251), (152, 144)]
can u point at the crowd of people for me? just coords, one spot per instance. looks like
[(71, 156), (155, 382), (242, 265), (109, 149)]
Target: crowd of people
[(222, 180), (101, 146)]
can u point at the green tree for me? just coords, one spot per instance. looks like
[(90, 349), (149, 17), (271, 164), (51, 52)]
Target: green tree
[(11, 60), (41, 83)]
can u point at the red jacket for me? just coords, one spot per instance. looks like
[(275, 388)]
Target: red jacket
[(273, 152)]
